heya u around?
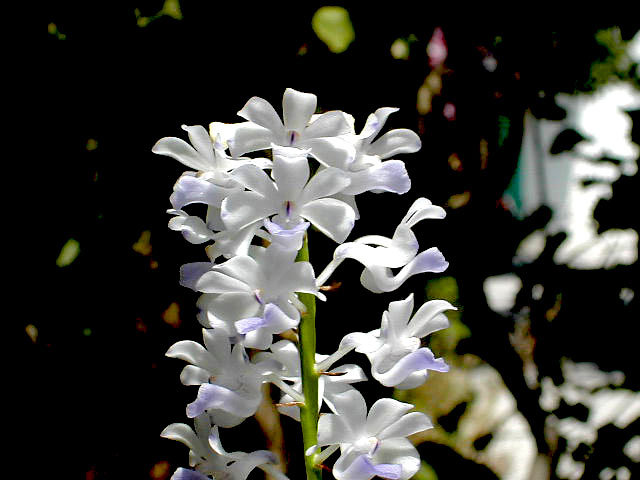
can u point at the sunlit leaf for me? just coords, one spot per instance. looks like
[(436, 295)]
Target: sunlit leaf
[(333, 26), (32, 331), (171, 315), (68, 253), (143, 245)]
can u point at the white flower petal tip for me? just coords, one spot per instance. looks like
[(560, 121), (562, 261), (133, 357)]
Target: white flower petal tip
[(311, 450)]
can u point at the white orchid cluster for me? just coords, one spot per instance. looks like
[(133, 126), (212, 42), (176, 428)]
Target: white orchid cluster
[(252, 292)]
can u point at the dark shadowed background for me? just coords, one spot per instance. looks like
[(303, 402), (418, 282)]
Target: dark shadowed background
[(121, 75)]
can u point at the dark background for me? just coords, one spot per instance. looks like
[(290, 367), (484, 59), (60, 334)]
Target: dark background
[(98, 358)]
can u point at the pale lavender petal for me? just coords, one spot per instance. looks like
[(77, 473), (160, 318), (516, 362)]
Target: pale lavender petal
[(247, 325), (376, 121), (290, 238), (332, 217), (396, 141), (211, 396), (186, 474), (329, 124), (190, 273), (399, 451), (191, 189), (421, 359), (297, 108), (362, 468), (389, 176), (261, 112), (380, 279), (409, 424)]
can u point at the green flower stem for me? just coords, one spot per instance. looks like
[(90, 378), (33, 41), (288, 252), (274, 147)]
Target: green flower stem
[(307, 347)]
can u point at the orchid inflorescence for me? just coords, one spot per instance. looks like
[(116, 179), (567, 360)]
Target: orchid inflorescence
[(252, 294)]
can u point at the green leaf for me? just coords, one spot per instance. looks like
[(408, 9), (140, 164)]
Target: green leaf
[(68, 253), (333, 26)]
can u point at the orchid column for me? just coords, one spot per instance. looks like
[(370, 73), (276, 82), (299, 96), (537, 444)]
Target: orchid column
[(259, 284)]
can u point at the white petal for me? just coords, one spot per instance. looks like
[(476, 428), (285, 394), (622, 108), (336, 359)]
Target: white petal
[(389, 176), (250, 137), (183, 152), (422, 209), (399, 451), (193, 353), (324, 184), (192, 375), (244, 208), (396, 141), (260, 112), (376, 121), (297, 108), (409, 424), (332, 151), (217, 282), (421, 359), (429, 318), (384, 413), (254, 178), (329, 124), (333, 430), (200, 139), (291, 175), (185, 435), (399, 314), (190, 189), (332, 217)]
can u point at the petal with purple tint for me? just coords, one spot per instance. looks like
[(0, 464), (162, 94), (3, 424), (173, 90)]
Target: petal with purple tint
[(211, 396), (421, 359), (389, 176), (362, 468)]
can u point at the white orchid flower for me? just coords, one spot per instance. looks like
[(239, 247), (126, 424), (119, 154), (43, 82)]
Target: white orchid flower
[(230, 384), (204, 154), (255, 295), (209, 458), (299, 128), (368, 172), (291, 197), (380, 254), (372, 444), (394, 350), (400, 361)]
